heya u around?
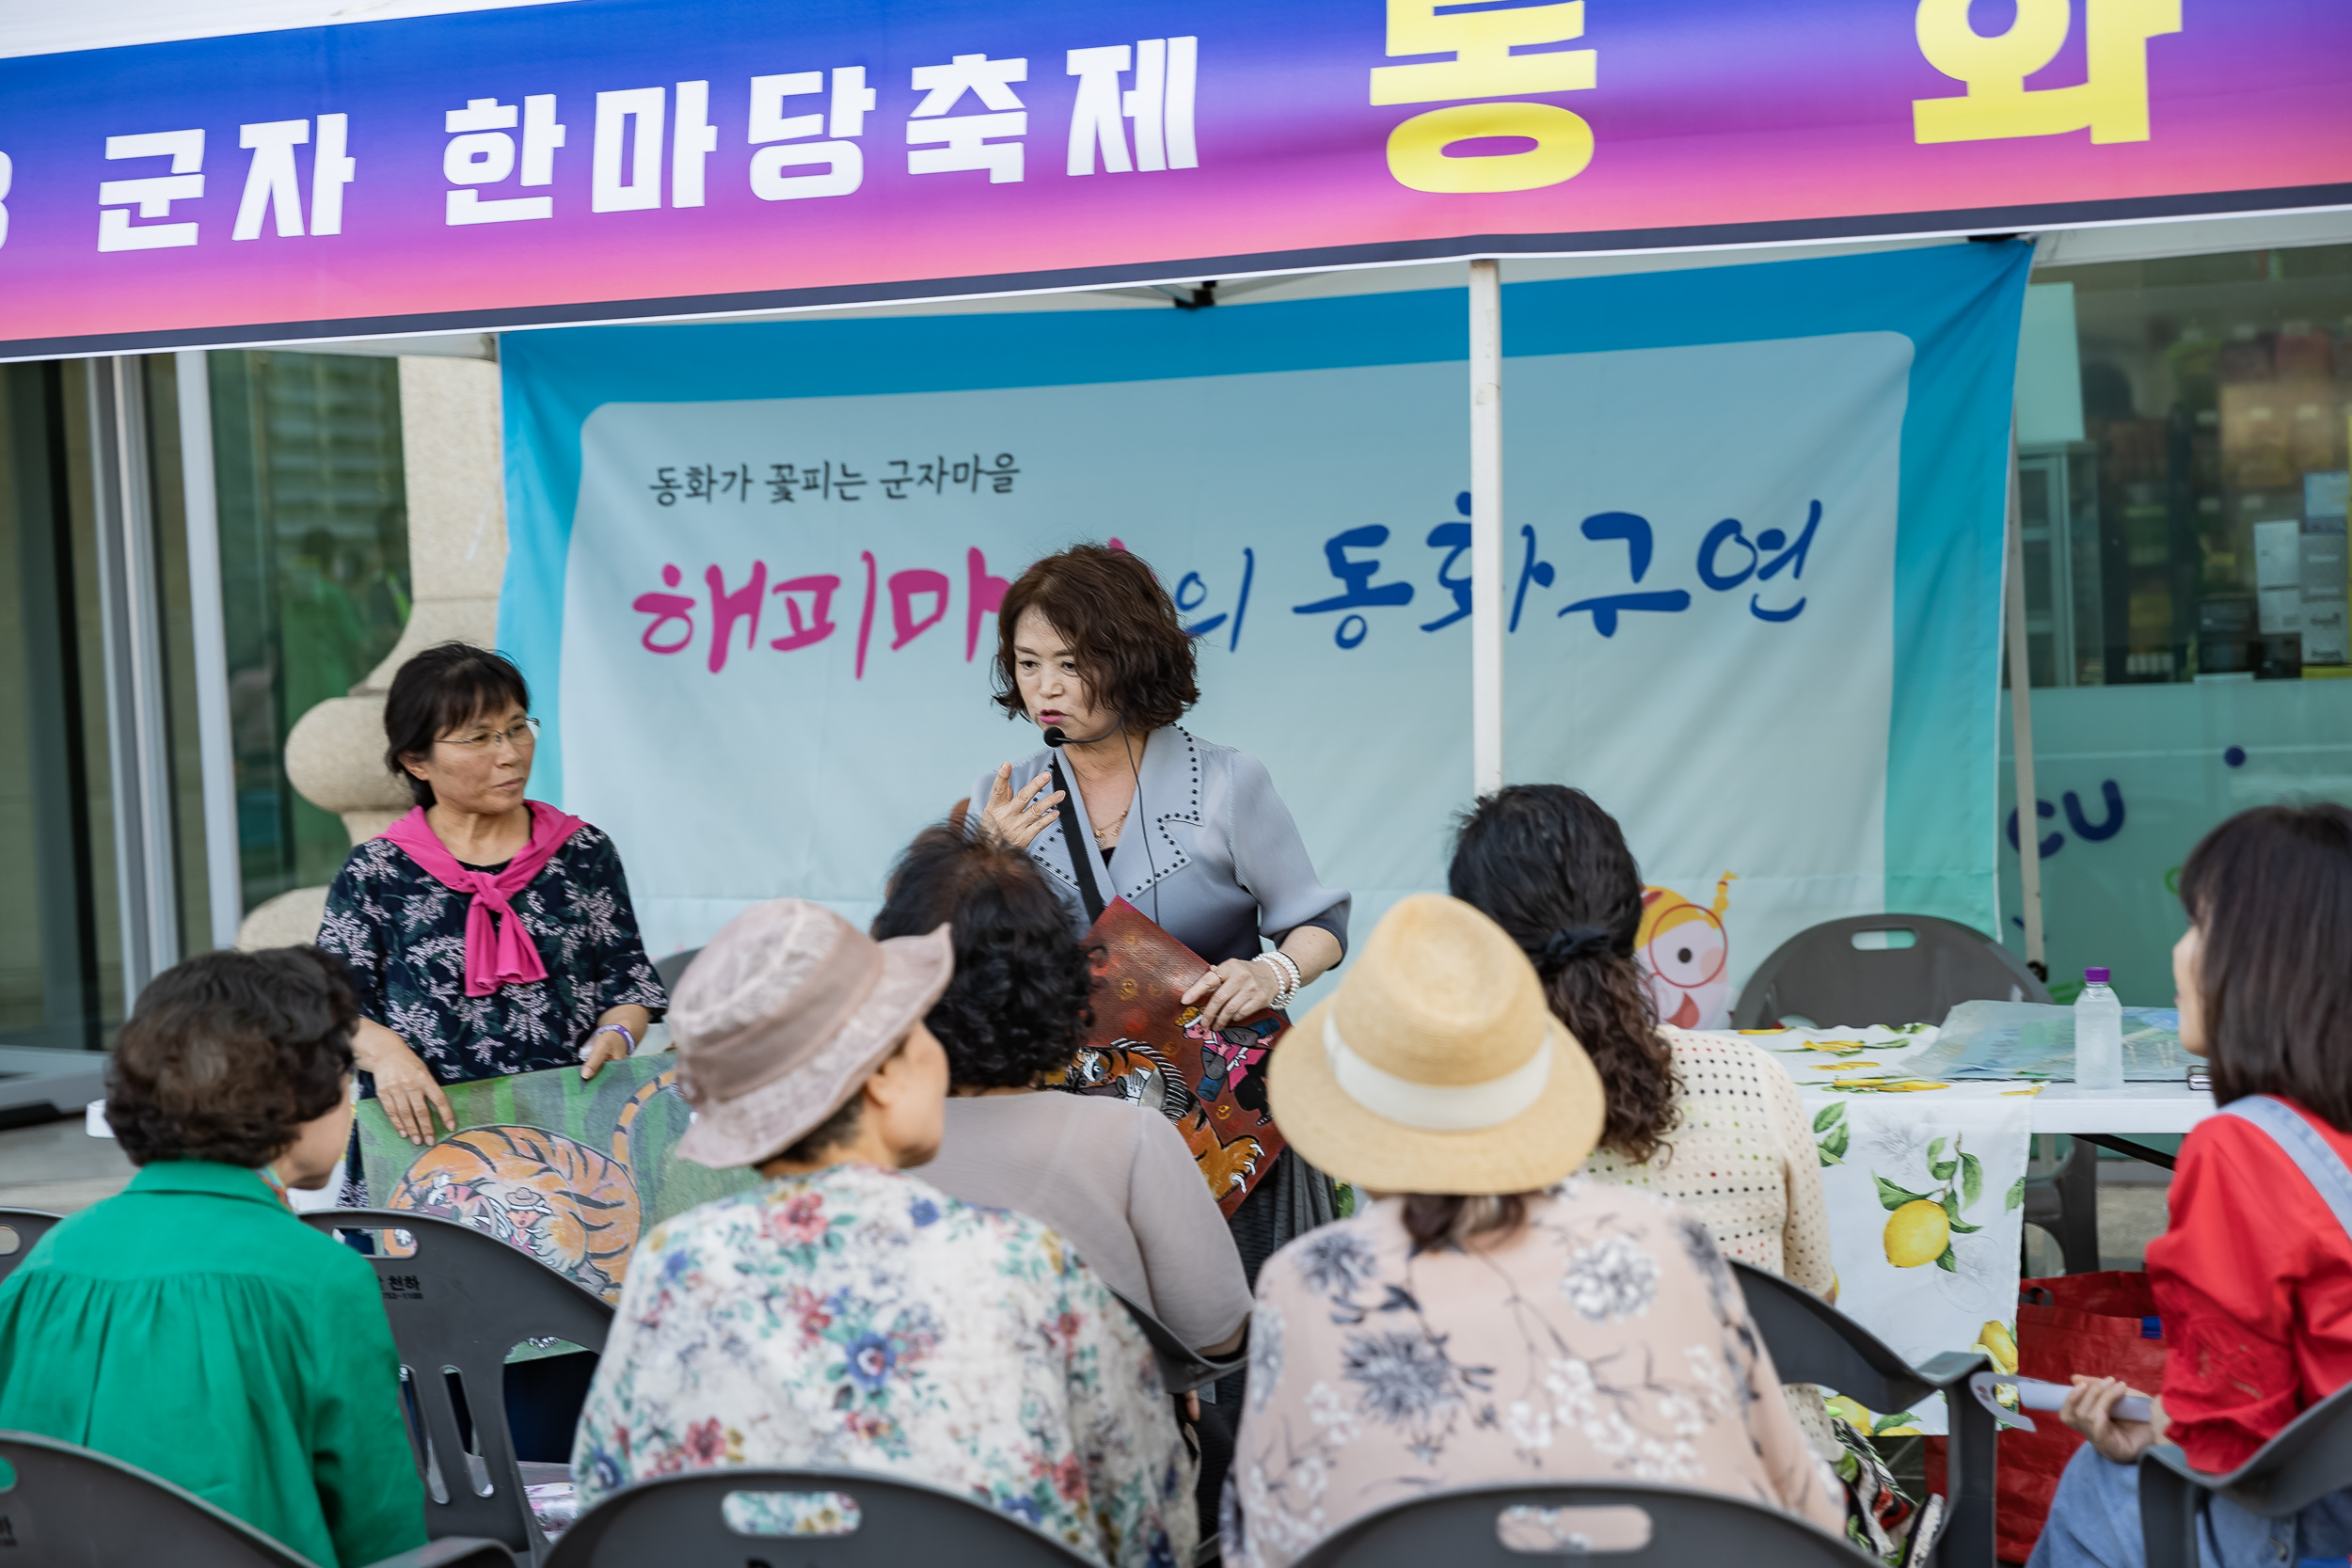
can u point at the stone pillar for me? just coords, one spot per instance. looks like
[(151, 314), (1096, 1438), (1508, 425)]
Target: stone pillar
[(451, 464)]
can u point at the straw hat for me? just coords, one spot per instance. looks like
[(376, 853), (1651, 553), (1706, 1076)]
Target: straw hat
[(1437, 1066), (782, 1018)]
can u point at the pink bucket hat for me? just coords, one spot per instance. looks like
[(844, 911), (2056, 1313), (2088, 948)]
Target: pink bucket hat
[(784, 1016)]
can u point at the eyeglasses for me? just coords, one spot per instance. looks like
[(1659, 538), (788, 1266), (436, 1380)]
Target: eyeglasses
[(524, 735)]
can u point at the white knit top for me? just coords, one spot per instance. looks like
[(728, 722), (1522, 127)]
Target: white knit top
[(1743, 1159)]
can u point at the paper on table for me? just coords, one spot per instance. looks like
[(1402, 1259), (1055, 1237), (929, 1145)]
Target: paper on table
[(2032, 1039)]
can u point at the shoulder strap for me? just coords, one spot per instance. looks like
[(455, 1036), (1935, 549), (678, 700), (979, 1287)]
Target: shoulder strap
[(1080, 862), (2312, 1155)]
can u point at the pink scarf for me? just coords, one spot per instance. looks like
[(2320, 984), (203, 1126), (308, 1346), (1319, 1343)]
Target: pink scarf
[(505, 955)]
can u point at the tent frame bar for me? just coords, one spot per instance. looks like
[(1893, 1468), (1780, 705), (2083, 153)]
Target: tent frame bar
[(2021, 721), (1485, 374)]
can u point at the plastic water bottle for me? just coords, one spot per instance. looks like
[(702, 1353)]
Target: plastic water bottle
[(2098, 1033)]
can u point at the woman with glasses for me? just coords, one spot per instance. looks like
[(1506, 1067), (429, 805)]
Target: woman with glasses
[(488, 934)]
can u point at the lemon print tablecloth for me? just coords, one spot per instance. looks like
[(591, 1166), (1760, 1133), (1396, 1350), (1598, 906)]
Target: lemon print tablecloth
[(1925, 1181)]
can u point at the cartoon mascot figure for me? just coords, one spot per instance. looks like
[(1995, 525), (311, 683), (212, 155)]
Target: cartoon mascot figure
[(1685, 956)]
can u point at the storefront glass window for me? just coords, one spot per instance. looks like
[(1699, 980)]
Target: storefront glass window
[(314, 576), (2197, 528), (2186, 582), (60, 946)]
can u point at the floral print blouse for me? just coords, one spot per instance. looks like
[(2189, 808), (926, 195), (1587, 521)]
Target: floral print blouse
[(403, 932), (861, 1319), (1607, 1340)]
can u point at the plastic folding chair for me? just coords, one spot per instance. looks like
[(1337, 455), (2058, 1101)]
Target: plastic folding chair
[(2065, 1203), (1466, 1530), (457, 1305), (20, 1228), (1819, 973), (1812, 1342), (679, 1522), (2309, 1457), (1182, 1369), (71, 1508), (670, 968)]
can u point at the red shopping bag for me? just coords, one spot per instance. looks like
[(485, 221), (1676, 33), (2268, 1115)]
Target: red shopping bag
[(2095, 1324)]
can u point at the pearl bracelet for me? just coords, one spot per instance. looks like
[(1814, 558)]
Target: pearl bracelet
[(1281, 978), (1286, 976), (1290, 964)]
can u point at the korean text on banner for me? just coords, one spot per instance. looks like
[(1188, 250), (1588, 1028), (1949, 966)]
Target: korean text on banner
[(1752, 577), (607, 158)]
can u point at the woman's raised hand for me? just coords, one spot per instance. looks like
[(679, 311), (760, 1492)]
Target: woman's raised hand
[(1017, 819), (409, 1092)]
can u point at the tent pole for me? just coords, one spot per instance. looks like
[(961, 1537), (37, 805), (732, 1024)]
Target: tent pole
[(209, 642), (1486, 367), (2021, 724)]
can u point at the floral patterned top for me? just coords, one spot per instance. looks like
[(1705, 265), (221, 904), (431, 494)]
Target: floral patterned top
[(403, 932), (1606, 1340), (861, 1319)]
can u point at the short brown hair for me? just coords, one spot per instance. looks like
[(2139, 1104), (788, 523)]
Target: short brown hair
[(228, 1053), (1119, 620), (2270, 894)]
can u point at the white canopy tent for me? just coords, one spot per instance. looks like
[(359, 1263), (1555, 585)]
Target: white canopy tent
[(106, 24)]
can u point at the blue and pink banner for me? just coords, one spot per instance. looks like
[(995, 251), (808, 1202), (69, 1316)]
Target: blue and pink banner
[(624, 159), (1751, 577)]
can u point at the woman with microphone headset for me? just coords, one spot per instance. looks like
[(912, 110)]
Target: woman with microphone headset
[(1188, 832)]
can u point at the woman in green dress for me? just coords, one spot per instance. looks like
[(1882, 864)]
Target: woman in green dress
[(193, 1326)]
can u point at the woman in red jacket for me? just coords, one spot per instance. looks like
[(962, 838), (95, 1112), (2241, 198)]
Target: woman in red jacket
[(2253, 1279)]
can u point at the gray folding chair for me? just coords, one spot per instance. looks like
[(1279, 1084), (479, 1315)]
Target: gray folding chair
[(72, 1508), (2065, 1203), (677, 1521), (20, 1228), (1464, 1529), (1819, 973), (1184, 1368), (670, 968), (2309, 1457), (457, 1305), (1812, 1342)]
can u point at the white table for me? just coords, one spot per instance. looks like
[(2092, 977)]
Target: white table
[(2142, 1108)]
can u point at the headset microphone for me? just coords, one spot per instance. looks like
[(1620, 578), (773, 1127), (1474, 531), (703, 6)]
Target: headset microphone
[(1057, 738)]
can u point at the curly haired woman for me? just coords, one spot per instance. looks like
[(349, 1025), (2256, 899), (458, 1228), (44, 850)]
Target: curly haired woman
[(1117, 1182), (1710, 1121)]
